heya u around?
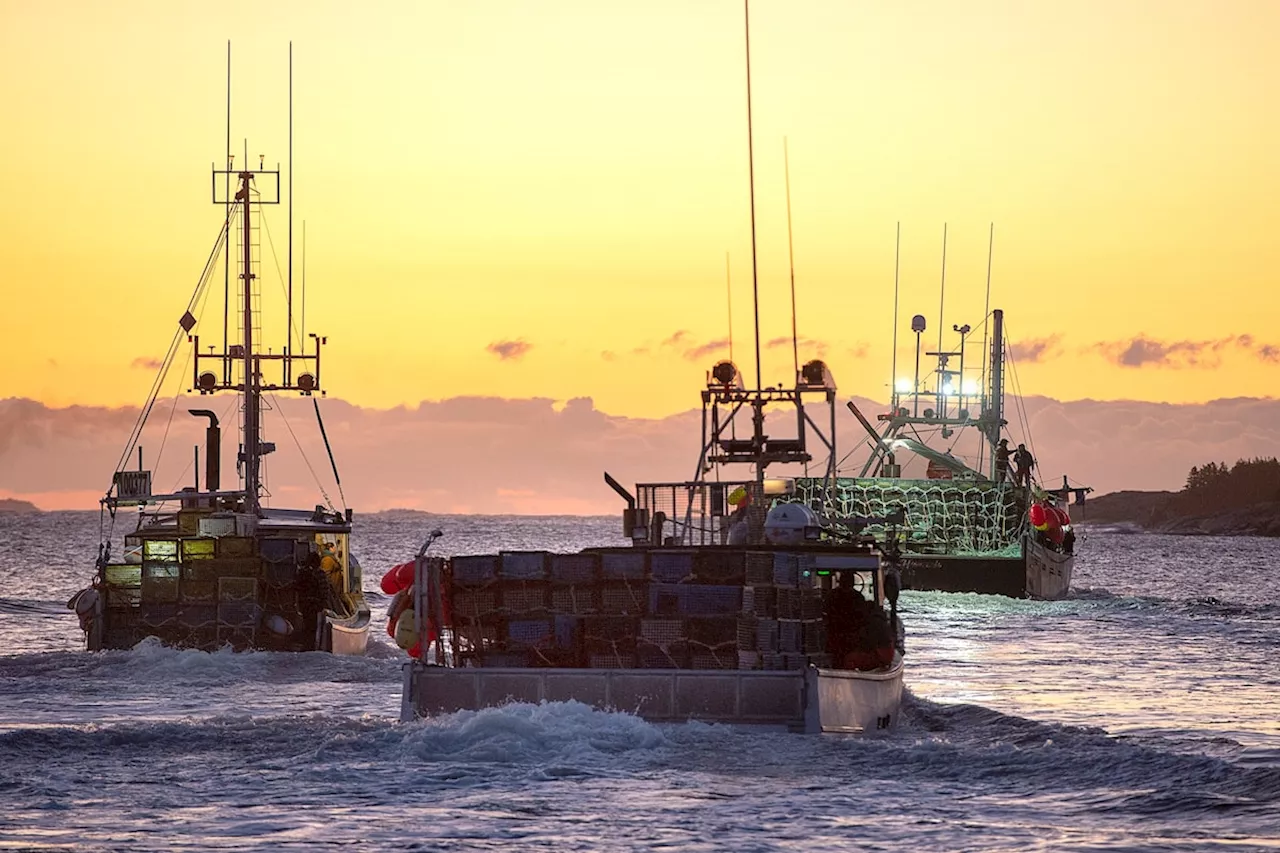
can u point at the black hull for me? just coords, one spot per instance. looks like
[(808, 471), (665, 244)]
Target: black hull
[(948, 573), (1046, 576)]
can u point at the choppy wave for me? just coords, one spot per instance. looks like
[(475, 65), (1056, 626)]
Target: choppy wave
[(1138, 714), (528, 774)]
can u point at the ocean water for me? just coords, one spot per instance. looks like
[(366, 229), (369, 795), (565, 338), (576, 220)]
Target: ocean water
[(1141, 714)]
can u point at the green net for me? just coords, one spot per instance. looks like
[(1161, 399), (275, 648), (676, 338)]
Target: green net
[(941, 516)]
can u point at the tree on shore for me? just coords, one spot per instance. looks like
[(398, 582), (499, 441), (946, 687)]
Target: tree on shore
[(1218, 486)]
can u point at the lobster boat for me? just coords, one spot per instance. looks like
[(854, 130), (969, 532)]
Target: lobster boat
[(212, 567)]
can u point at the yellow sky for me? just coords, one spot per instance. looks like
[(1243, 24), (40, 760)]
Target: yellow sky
[(571, 173)]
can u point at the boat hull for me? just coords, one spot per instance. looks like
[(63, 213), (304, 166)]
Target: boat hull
[(340, 636), (811, 700), (1038, 573), (1048, 572), (952, 573)]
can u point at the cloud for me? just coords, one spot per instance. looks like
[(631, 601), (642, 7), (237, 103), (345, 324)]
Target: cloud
[(465, 454), (690, 348), (1035, 349), (1142, 351), (146, 362), (676, 339), (509, 350), (491, 455), (803, 344), (609, 355), (702, 351)]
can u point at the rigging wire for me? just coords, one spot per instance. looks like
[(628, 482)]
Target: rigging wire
[(329, 449), (341, 496), (303, 454), (1017, 396), (205, 277), (178, 392), (266, 226), (172, 411)]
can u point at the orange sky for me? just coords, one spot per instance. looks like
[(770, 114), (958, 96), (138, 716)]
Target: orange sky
[(570, 173)]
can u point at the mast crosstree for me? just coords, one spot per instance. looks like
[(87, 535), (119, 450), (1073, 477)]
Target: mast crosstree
[(213, 371)]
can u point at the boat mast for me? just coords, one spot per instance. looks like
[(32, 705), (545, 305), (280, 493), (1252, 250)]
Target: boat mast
[(986, 315), (296, 371), (757, 414), (289, 310), (791, 260), (226, 267), (252, 393), (751, 179), (996, 420)]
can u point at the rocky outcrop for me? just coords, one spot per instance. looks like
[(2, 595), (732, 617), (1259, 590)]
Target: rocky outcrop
[(1258, 520), (11, 505), (1135, 508), (1155, 512)]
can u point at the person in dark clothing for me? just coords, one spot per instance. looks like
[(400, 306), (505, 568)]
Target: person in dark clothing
[(315, 593), (1002, 460), (859, 635), (1023, 462), (844, 619)]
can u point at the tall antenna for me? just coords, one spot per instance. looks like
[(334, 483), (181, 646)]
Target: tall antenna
[(288, 365), (303, 333), (986, 309), (897, 257), (791, 256), (751, 172), (942, 295), (728, 289), (226, 267)]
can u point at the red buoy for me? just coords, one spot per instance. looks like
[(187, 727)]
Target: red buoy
[(398, 578)]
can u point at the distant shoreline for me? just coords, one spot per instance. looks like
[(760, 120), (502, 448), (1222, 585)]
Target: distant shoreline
[(1136, 511), (1152, 512)]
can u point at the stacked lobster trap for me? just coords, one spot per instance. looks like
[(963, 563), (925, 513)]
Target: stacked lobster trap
[(721, 608)]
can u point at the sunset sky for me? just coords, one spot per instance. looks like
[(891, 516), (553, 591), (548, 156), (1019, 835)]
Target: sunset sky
[(535, 199)]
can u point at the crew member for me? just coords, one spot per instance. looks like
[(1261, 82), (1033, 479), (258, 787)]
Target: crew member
[(1002, 460), (739, 526), (844, 613), (1023, 462)]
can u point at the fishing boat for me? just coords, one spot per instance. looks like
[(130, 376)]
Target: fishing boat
[(726, 606), (973, 522), (709, 632), (212, 567), (735, 602), (730, 605)]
